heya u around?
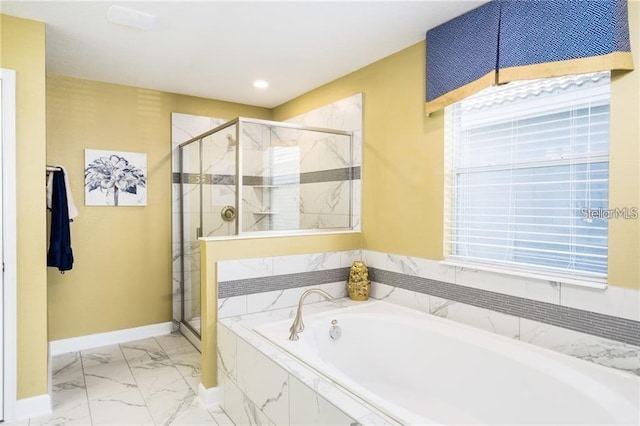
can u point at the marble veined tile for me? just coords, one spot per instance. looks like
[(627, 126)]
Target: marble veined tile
[(193, 413), (66, 367), (595, 349), (375, 259), (109, 379), (188, 126), (68, 401), (348, 257), (326, 198), (240, 409), (338, 289), (308, 408), (269, 390), (485, 319), (125, 408), (175, 344), (166, 393), (306, 262), (245, 268), (277, 299), (101, 356), (529, 288), (110, 392), (145, 354), (400, 296), (70, 407), (220, 416), (232, 306), (189, 366), (615, 301), (403, 264), (227, 350), (382, 291)]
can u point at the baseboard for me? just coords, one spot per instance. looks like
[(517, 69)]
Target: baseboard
[(32, 407), (57, 347), (208, 396)]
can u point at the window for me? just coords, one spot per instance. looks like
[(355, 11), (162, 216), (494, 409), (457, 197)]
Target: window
[(527, 177)]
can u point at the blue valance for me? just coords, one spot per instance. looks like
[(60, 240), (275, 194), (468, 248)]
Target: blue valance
[(461, 54), (506, 40)]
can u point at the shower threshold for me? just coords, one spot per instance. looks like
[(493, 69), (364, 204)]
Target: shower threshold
[(187, 330)]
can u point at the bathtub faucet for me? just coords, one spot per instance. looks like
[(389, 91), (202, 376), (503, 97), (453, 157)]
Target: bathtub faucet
[(298, 325)]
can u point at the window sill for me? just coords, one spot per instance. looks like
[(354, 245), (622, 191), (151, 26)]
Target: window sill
[(589, 282)]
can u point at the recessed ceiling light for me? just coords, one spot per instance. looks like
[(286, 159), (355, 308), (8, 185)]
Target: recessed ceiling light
[(260, 84), (130, 18)]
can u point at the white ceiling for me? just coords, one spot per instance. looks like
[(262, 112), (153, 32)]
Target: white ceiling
[(216, 49)]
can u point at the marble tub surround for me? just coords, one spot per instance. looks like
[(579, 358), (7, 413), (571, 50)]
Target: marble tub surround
[(537, 312), (286, 391), (262, 284), (150, 381)]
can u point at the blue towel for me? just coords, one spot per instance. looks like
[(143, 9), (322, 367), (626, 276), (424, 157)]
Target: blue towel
[(60, 254)]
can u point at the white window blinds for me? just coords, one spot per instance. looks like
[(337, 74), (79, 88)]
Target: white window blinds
[(526, 163)]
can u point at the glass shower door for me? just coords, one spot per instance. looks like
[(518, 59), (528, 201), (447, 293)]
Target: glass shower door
[(191, 229), (207, 209)]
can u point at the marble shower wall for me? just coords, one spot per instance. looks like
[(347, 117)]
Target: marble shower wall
[(326, 204)]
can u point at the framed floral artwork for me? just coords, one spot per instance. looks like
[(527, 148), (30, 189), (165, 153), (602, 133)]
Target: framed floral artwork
[(115, 178)]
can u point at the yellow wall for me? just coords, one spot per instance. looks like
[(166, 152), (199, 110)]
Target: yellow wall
[(214, 251), (624, 173), (22, 43), (402, 199), (402, 172), (122, 272)]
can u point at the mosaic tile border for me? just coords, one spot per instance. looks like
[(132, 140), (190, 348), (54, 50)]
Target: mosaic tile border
[(247, 286), (593, 323), (333, 175)]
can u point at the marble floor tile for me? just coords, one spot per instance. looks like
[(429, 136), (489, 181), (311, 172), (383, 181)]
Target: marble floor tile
[(220, 416), (188, 364), (166, 392), (101, 356), (194, 414), (109, 379), (146, 382), (176, 345), (69, 403), (146, 354), (66, 367), (120, 409)]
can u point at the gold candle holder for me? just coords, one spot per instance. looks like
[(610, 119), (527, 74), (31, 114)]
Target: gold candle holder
[(359, 285)]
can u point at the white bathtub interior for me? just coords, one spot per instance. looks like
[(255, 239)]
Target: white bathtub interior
[(421, 369)]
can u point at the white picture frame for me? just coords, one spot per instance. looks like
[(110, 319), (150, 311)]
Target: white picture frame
[(115, 178)]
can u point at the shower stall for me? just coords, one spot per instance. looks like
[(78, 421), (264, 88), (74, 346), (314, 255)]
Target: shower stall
[(250, 176)]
